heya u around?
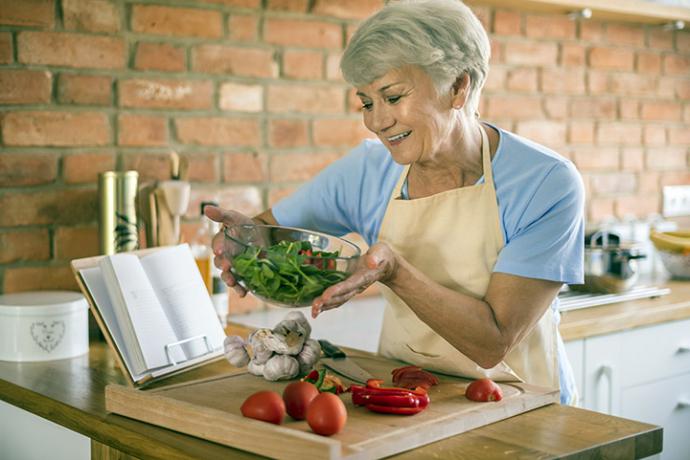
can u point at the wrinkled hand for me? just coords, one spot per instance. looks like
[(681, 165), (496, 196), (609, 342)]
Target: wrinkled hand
[(227, 218), (378, 264)]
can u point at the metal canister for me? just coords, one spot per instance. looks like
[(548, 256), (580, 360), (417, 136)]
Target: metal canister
[(117, 223)]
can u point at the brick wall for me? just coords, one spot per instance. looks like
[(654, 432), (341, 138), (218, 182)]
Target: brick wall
[(249, 91)]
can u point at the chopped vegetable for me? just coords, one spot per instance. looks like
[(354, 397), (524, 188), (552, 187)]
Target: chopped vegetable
[(413, 377), (288, 272), (484, 390), (389, 400), (325, 381)]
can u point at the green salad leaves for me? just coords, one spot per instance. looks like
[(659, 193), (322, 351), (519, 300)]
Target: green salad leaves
[(288, 272)]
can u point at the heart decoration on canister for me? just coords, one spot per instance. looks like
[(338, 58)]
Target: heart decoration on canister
[(48, 336)]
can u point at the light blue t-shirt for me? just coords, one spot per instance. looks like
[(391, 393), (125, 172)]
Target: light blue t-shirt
[(540, 201)]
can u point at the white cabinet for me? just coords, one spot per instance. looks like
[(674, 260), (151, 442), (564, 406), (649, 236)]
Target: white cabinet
[(575, 349), (641, 374)]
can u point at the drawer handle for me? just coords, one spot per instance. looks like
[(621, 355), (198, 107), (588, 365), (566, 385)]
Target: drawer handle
[(683, 403), (684, 349), (605, 371)]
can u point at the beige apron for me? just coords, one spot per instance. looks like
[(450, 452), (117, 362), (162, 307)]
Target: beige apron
[(454, 237)]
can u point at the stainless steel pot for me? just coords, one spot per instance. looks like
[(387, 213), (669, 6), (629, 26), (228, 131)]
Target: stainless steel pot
[(610, 265)]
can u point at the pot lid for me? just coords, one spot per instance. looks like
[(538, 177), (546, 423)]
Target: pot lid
[(41, 302)]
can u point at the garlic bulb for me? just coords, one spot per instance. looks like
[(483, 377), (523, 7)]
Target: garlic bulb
[(308, 356), (281, 367), (260, 351), (255, 368), (235, 350)]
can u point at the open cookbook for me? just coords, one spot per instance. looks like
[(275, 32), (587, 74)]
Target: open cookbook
[(153, 308)]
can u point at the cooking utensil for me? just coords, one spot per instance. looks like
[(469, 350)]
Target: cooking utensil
[(610, 264), (336, 360)]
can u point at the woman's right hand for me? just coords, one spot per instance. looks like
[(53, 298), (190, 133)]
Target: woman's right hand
[(227, 218)]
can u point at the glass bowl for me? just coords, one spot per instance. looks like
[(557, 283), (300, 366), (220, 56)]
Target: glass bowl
[(288, 266)]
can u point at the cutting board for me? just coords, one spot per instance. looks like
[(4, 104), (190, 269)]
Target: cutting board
[(210, 409)]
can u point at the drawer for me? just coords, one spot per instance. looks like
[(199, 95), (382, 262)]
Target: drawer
[(642, 355), (665, 403)]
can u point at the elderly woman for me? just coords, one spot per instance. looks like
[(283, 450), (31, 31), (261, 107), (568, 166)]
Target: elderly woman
[(472, 229)]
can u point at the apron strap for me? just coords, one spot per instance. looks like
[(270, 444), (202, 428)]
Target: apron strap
[(486, 156)]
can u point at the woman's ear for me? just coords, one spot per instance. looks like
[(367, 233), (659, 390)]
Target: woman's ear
[(460, 91)]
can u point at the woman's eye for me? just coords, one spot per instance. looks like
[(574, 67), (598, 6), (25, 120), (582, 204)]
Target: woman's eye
[(366, 105), (393, 99)]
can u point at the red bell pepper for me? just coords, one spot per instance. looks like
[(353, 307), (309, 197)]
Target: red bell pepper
[(389, 400), (324, 382)]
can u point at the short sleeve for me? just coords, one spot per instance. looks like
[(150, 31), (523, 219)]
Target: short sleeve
[(548, 242)]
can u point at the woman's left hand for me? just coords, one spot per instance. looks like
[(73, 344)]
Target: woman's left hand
[(378, 264)]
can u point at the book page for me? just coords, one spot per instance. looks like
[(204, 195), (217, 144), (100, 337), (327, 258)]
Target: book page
[(178, 284), (139, 310)]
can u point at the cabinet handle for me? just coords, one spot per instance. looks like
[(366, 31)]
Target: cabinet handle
[(684, 349), (605, 371), (683, 403)]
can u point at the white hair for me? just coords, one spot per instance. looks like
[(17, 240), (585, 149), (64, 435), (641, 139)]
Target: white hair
[(442, 37)]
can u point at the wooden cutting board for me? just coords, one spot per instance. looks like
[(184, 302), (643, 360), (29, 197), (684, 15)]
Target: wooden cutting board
[(210, 409)]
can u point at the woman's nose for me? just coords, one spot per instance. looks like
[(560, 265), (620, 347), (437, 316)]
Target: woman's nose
[(380, 119)]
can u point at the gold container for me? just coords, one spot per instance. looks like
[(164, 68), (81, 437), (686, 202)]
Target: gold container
[(117, 219)]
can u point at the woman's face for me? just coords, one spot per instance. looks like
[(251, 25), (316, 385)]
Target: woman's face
[(405, 111)]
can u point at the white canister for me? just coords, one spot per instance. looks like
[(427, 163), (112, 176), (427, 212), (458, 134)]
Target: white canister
[(43, 326)]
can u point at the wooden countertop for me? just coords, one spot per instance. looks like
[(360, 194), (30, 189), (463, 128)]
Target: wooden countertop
[(71, 393), (587, 322)]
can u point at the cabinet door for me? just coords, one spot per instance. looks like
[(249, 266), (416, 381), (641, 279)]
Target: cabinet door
[(604, 358), (575, 349), (666, 403)]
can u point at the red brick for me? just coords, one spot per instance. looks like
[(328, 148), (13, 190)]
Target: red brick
[(178, 22), (91, 15), (632, 159), (237, 3), (48, 207), (666, 88), (56, 128), (639, 206), (142, 130), (305, 98), (611, 58), (670, 158), (648, 62), (16, 246), (619, 133), (556, 107), (164, 94), (310, 34), (21, 169), (522, 79), (290, 167), (302, 64), (531, 53), (225, 131), (679, 135), (581, 132), (80, 168), (600, 209), (612, 183), (296, 6), (496, 80), (632, 84), (549, 133), (160, 56), (151, 166), (648, 182), (668, 111), (85, 89), (242, 168), (591, 31), (246, 200), (76, 242), (333, 67), (203, 167), (276, 194), (507, 23), (682, 41), (686, 114), (53, 277), (675, 178), (336, 132), (232, 60), (241, 97), (682, 88), (654, 135), (677, 65), (518, 107), (71, 50), (629, 109), (596, 159), (549, 27), (352, 9), (37, 13), (597, 82), (25, 86), (563, 81), (597, 108), (243, 28), (6, 53), (572, 55), (496, 51), (286, 133), (619, 34), (660, 39)]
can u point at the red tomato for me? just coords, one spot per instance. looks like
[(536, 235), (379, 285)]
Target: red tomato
[(326, 415), (484, 390), (267, 406), (297, 397)]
